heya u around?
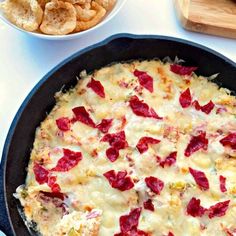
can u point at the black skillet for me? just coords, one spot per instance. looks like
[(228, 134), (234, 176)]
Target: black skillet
[(117, 48)]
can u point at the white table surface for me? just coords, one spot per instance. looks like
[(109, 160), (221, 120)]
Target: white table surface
[(24, 59)]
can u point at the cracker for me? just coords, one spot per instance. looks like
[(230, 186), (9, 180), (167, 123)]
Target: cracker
[(42, 3), (26, 14), (100, 13), (84, 14), (59, 18), (107, 4)]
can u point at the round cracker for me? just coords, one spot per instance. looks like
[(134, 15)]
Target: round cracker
[(84, 25), (26, 14), (84, 14), (107, 4), (59, 18)]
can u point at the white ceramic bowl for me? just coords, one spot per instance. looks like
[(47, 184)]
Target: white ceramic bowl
[(119, 4)]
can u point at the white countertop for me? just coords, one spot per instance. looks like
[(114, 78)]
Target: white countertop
[(24, 59)]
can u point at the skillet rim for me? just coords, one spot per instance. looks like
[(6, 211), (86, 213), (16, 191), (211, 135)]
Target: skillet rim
[(104, 42)]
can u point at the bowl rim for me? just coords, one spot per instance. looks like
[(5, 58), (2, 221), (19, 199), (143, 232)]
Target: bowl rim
[(19, 112), (108, 17)]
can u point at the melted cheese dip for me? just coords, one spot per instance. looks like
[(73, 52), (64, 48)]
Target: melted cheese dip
[(91, 206)]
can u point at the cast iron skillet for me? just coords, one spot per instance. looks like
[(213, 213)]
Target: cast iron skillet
[(117, 48)]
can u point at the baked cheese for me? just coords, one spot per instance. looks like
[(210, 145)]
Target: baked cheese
[(139, 148)]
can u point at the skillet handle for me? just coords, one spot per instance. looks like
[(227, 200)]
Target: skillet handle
[(4, 223)]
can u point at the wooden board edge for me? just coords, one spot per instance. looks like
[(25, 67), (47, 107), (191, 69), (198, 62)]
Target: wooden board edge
[(183, 16)]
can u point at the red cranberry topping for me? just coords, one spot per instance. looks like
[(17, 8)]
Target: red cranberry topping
[(130, 221), (185, 98), (97, 87), (200, 179), (116, 140), (63, 123), (41, 174), (112, 154), (68, 161), (208, 107), (140, 108), (222, 180), (148, 205), (144, 79), (169, 160), (196, 143), (143, 143), (182, 70), (83, 116), (229, 140), (105, 125), (129, 224), (196, 105), (194, 208), (219, 209), (119, 180), (170, 234), (155, 184), (55, 188)]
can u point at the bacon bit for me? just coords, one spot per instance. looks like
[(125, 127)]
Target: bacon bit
[(182, 70), (148, 205), (169, 160), (171, 133), (97, 87), (142, 109), (63, 123), (105, 125), (112, 154), (143, 142), (94, 153), (155, 184), (83, 116), (116, 140), (229, 140), (202, 227), (194, 208), (144, 79), (53, 185), (229, 232), (196, 143), (138, 89), (68, 161), (131, 162), (123, 122), (123, 84), (185, 98), (219, 209), (222, 180), (119, 180), (41, 174), (200, 179)]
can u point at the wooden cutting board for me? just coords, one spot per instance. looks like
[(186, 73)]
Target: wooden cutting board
[(217, 17)]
